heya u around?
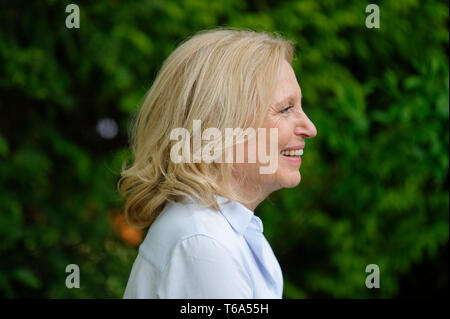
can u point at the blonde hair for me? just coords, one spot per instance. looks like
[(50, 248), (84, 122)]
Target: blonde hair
[(223, 77)]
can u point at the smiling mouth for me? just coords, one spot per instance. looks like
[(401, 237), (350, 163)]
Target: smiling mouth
[(292, 153)]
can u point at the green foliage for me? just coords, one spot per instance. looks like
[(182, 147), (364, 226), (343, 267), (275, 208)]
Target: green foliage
[(374, 180)]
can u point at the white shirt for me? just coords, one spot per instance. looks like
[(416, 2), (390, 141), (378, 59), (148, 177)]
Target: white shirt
[(192, 251)]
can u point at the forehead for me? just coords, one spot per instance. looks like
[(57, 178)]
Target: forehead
[(287, 86)]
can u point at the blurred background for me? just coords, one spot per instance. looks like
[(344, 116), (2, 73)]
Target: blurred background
[(374, 186)]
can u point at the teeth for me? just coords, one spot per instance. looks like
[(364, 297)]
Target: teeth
[(292, 152)]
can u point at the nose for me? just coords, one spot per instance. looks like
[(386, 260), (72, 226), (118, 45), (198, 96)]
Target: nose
[(304, 126)]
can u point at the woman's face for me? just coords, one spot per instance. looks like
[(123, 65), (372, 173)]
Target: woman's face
[(285, 113)]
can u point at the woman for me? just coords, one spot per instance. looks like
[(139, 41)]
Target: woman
[(204, 239)]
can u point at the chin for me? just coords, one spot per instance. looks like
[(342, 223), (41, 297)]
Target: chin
[(291, 181)]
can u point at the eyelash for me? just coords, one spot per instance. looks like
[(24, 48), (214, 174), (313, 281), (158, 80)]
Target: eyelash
[(284, 110)]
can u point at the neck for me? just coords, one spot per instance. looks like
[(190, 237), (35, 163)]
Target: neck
[(249, 191)]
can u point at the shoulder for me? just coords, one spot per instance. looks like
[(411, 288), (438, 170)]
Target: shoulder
[(201, 267), (185, 224)]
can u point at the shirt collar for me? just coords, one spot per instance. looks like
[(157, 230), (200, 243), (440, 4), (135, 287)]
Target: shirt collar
[(238, 216)]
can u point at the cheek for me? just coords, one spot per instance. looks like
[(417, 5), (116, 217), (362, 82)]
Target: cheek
[(285, 133), (283, 127)]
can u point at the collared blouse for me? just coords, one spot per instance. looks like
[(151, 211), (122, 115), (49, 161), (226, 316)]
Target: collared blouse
[(191, 251)]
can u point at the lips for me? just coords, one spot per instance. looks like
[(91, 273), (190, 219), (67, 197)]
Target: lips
[(294, 151), (297, 152), (293, 148)]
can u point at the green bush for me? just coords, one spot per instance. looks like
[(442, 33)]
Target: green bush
[(374, 181)]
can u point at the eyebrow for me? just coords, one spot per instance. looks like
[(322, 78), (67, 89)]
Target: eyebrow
[(288, 98)]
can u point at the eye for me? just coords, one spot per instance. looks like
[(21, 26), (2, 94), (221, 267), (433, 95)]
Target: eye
[(285, 109)]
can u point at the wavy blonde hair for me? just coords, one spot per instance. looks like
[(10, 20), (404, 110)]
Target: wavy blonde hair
[(223, 77)]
